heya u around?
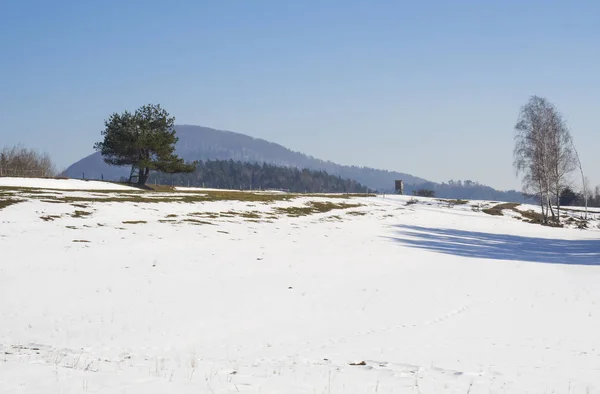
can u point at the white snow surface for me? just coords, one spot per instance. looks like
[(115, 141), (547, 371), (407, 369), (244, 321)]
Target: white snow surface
[(430, 298), (61, 184)]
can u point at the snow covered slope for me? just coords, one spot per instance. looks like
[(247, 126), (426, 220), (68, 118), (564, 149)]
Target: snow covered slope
[(218, 292), (61, 184)]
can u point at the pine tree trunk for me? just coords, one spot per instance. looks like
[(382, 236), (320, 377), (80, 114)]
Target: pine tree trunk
[(144, 175)]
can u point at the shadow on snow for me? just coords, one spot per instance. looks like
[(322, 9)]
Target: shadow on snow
[(500, 246)]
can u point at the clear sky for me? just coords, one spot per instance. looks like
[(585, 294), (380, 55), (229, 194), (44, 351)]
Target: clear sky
[(431, 88)]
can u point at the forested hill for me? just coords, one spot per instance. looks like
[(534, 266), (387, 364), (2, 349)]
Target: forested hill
[(203, 143), (229, 174)]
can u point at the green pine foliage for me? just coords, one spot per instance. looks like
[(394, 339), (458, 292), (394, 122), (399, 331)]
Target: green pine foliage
[(229, 174), (144, 140)]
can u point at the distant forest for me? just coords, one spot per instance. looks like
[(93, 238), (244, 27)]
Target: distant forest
[(229, 174), (469, 190)]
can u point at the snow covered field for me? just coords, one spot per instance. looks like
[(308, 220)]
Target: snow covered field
[(224, 292), (60, 184)]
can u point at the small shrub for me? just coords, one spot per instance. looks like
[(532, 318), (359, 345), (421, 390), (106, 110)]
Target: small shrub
[(412, 201)]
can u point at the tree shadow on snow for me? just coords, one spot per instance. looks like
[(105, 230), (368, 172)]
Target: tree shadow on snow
[(500, 246)]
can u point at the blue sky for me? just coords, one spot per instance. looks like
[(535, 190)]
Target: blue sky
[(431, 88)]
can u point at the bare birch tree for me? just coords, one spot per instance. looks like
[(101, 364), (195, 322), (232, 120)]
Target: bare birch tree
[(561, 156), (529, 152), (543, 153), (584, 180)]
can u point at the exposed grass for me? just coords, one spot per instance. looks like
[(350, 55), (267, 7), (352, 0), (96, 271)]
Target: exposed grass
[(579, 223), (532, 216), (454, 202), (496, 210), (80, 214), (50, 218), (250, 215), (171, 215), (529, 216), (198, 222), (157, 188), (356, 213), (493, 211), (8, 202), (8, 189), (134, 222), (151, 197), (210, 215), (339, 195), (333, 218), (165, 194), (314, 207), (81, 240)]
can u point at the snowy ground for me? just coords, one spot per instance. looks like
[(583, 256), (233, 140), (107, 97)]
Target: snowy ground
[(60, 184), (118, 292)]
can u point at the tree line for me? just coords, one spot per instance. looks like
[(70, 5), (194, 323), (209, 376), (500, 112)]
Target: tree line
[(229, 174), (18, 161), (572, 197)]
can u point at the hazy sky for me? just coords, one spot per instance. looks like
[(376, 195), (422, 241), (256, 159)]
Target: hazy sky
[(431, 88)]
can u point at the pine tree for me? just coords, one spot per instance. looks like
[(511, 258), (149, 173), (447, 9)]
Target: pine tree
[(144, 140)]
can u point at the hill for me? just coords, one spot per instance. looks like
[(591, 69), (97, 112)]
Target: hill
[(203, 143)]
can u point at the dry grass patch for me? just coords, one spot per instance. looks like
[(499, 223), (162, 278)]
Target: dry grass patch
[(356, 213), (452, 203), (210, 215), (314, 207), (50, 218), (198, 222), (134, 222), (8, 202), (250, 215), (496, 210), (80, 214)]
